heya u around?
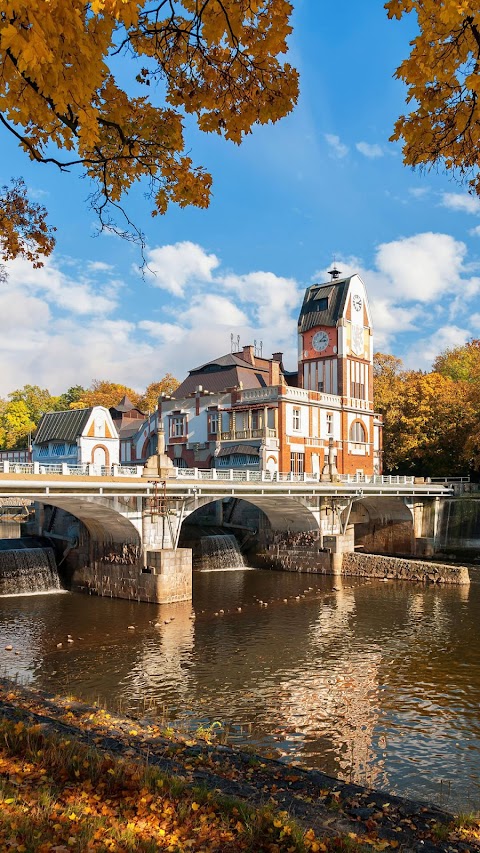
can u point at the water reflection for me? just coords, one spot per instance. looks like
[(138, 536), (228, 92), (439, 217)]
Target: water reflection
[(375, 682)]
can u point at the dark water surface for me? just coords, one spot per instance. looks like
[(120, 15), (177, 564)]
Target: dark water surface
[(374, 682)]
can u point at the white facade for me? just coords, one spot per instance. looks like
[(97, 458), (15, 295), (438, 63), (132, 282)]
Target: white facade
[(96, 441)]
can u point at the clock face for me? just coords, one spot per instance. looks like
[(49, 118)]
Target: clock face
[(320, 341), (357, 302)]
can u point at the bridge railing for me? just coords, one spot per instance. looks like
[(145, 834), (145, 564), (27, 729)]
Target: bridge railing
[(246, 475), (230, 474), (8, 467)]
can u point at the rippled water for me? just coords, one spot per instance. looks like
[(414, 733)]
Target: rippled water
[(371, 681)]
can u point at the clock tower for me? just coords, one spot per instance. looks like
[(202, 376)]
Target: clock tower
[(335, 345)]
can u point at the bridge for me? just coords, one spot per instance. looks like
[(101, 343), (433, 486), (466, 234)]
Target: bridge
[(118, 530)]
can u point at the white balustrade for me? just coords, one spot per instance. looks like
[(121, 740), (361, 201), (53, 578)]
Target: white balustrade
[(233, 474)]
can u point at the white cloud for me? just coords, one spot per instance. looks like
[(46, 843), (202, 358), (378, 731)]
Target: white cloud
[(163, 332), (422, 355), (369, 150), (55, 287), (475, 232), (272, 298), (99, 266), (461, 201), (419, 192), (56, 331), (337, 147), (421, 268), (208, 309), (173, 267)]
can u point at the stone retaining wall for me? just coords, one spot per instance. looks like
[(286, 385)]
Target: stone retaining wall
[(166, 578), (398, 568), (309, 559)]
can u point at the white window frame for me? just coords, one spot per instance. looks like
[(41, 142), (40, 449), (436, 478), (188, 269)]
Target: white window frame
[(177, 426), (357, 433), (214, 423)]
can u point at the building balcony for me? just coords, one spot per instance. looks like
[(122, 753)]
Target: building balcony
[(241, 434), (259, 395), (358, 448)]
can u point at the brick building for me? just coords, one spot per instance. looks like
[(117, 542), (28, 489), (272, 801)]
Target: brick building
[(246, 411)]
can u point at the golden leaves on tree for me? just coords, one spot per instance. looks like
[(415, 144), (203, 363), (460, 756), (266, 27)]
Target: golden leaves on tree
[(443, 85), (23, 227), (221, 61)]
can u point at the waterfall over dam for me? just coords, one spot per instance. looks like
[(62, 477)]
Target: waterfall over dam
[(27, 568), (219, 552)]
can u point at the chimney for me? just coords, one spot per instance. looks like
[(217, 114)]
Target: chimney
[(274, 370), (248, 354), (277, 356)]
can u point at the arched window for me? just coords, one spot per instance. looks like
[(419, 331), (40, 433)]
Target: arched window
[(357, 433)]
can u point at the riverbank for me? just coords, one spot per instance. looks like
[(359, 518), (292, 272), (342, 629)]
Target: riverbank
[(77, 777)]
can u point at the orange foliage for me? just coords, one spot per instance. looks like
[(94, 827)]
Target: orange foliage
[(220, 60), (23, 228)]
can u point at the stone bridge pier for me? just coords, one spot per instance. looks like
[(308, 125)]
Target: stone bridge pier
[(118, 546)]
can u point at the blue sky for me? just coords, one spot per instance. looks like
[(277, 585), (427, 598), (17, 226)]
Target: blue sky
[(324, 182)]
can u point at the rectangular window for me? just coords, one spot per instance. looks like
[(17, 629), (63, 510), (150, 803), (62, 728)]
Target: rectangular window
[(296, 419), (357, 386), (297, 463), (321, 376), (329, 423), (178, 426), (213, 423)]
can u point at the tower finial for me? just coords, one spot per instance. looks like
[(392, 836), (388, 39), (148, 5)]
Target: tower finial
[(334, 272)]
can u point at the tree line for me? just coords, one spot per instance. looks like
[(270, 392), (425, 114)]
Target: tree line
[(431, 420), (21, 411)]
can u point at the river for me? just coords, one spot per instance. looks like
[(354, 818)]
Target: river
[(375, 682)]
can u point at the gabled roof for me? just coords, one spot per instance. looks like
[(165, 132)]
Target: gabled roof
[(223, 362), (323, 304), (227, 371), (125, 405), (125, 409), (62, 426)]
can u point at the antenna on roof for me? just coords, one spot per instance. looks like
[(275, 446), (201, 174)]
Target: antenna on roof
[(258, 349), (234, 344)]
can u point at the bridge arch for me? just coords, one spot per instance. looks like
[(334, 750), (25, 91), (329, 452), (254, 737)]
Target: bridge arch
[(103, 523), (383, 525), (284, 513)]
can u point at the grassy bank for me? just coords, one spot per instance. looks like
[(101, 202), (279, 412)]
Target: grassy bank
[(74, 778), (58, 795)]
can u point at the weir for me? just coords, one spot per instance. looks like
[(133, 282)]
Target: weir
[(219, 552), (28, 570)]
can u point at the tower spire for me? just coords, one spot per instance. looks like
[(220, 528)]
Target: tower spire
[(334, 272)]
